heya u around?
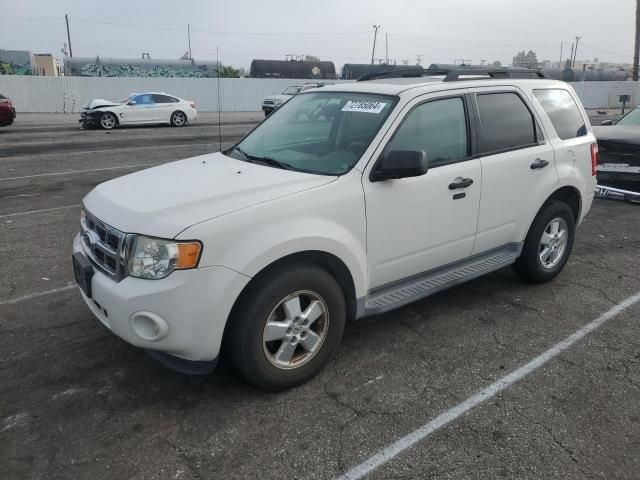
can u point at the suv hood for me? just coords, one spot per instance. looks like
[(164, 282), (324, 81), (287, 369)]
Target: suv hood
[(164, 200)]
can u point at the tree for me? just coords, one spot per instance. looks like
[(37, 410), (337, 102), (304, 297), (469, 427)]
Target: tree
[(228, 71), (497, 64), (528, 59)]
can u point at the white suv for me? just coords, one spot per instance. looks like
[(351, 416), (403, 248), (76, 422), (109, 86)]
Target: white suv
[(349, 201)]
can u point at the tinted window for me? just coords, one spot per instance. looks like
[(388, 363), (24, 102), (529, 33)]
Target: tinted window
[(164, 99), (505, 122), (145, 99), (438, 127), (563, 112), (2, 97)]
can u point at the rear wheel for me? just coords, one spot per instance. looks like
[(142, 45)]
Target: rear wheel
[(548, 243), (108, 121), (178, 119), (288, 325)]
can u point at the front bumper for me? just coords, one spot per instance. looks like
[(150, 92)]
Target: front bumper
[(189, 308), (269, 108), (88, 119)]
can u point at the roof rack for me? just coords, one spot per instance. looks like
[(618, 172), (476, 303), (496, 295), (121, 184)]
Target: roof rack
[(452, 75)]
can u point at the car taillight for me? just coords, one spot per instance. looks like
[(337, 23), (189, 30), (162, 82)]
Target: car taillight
[(193, 105), (595, 158)]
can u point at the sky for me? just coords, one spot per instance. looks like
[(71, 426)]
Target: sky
[(338, 30)]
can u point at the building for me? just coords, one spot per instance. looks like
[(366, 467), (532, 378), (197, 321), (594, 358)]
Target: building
[(44, 64), (15, 62), (303, 69), (138, 67)]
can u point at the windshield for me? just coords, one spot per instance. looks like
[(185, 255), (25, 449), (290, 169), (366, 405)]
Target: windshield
[(292, 90), (324, 133), (631, 118)]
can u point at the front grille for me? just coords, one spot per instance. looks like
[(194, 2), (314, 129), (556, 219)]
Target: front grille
[(105, 246), (268, 102)]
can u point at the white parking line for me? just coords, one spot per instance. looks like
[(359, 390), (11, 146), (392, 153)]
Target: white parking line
[(38, 211), (73, 172), (31, 296), (393, 450)]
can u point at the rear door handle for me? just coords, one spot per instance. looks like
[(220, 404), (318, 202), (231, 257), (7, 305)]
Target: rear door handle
[(539, 163), (460, 183)]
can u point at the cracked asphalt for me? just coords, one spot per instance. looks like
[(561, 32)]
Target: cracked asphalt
[(76, 402)]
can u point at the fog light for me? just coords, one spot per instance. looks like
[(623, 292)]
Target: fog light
[(149, 326)]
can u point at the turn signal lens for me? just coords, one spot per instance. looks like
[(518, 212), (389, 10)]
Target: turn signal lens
[(595, 158), (188, 255)]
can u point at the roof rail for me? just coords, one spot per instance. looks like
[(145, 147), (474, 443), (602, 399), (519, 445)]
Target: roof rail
[(452, 75)]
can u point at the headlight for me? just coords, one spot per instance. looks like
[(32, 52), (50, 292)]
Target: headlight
[(155, 258), (277, 101)]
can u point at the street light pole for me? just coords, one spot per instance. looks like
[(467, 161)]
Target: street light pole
[(66, 19), (636, 48), (375, 34)]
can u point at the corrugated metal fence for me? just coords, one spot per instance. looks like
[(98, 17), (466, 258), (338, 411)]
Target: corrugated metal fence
[(70, 94)]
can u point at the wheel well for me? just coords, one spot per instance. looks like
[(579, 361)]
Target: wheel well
[(114, 115), (571, 197), (327, 261)]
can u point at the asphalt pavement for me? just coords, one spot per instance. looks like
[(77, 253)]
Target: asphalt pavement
[(76, 402)]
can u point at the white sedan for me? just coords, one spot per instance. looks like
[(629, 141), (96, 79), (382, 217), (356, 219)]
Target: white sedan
[(139, 109)]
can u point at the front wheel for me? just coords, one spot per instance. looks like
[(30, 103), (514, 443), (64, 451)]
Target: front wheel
[(287, 326), (178, 119), (548, 244), (108, 121)]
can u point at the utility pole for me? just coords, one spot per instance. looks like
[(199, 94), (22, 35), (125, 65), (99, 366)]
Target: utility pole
[(189, 35), (575, 51), (419, 57), (375, 34), (571, 56), (66, 18), (561, 45), (636, 48), (386, 48)]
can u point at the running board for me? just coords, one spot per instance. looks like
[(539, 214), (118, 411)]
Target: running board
[(409, 290)]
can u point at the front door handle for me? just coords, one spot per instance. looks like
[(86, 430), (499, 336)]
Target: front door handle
[(538, 163), (460, 183)]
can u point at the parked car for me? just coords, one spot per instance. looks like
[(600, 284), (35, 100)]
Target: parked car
[(7, 112), (619, 143), (274, 102), (139, 109), (392, 192)]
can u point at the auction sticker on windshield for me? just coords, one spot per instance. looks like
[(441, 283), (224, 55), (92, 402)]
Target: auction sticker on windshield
[(363, 106)]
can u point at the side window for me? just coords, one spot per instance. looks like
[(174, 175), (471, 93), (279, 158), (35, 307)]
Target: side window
[(505, 122), (164, 99), (438, 127), (145, 99), (563, 112)]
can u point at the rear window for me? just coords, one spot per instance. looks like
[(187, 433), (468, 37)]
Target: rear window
[(2, 97), (563, 112), (505, 123)]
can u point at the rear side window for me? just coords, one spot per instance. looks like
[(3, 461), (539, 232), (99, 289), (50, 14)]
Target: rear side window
[(505, 123), (164, 99), (563, 112), (438, 127)]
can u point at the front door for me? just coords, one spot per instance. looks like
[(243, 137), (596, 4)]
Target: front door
[(417, 224), (142, 111)]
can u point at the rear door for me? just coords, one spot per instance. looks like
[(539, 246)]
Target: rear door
[(165, 105), (518, 171)]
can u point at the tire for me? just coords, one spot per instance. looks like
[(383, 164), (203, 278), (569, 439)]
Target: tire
[(108, 121), (546, 249), (260, 352), (178, 119)]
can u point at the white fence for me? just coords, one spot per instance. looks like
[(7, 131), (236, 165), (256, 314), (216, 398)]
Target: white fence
[(70, 94)]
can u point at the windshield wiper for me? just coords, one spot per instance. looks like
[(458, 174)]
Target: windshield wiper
[(272, 162)]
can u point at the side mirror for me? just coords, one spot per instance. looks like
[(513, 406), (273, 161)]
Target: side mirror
[(400, 164), (132, 102), (606, 122)]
